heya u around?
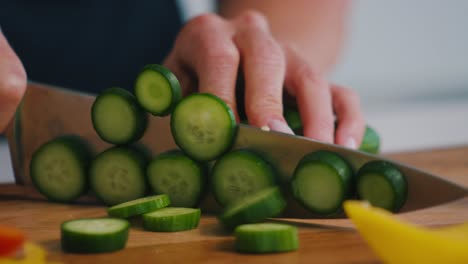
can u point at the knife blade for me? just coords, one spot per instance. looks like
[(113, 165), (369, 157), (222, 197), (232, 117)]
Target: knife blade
[(47, 112)]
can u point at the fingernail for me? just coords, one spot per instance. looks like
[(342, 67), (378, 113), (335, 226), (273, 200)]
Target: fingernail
[(280, 126), (351, 143)]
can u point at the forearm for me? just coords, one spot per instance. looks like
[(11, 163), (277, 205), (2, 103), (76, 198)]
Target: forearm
[(315, 28)]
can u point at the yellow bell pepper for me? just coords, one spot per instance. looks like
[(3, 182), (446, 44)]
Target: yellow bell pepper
[(398, 242)]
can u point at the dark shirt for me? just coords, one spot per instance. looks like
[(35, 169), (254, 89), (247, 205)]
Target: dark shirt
[(89, 45)]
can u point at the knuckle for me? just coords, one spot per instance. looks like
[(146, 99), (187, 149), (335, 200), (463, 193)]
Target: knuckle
[(254, 19), (205, 21), (305, 75), (268, 104), (223, 54), (12, 86)]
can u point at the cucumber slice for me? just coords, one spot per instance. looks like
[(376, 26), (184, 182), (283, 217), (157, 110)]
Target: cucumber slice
[(203, 126), (238, 174), (117, 117), (171, 219), (254, 208), (321, 182), (94, 235), (266, 238), (176, 175), (59, 168), (157, 89), (117, 175), (139, 206), (382, 184), (371, 141), (293, 118)]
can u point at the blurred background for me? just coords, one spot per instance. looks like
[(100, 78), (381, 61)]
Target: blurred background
[(408, 60)]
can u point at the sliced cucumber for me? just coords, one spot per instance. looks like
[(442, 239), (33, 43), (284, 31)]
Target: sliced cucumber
[(94, 235), (382, 184), (59, 168), (240, 173), (178, 176), (117, 175), (293, 118), (371, 141), (203, 126), (139, 206), (157, 89), (254, 208), (322, 181), (266, 238), (171, 219), (117, 117)]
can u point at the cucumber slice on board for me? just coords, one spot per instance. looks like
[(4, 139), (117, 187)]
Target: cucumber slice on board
[(171, 219), (94, 235), (117, 117), (175, 174), (321, 182), (254, 208), (157, 89), (240, 173), (266, 238), (117, 175), (382, 184), (203, 126), (59, 168), (139, 206), (371, 141)]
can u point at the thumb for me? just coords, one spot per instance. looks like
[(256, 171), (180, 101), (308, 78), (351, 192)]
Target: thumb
[(12, 82)]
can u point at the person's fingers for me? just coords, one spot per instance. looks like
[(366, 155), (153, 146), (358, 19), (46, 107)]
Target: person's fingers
[(186, 79), (313, 97), (263, 64), (12, 82), (205, 46), (350, 119)]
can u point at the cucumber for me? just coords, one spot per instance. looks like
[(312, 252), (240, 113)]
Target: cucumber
[(370, 142), (117, 175), (293, 119), (321, 182), (171, 219), (178, 176), (266, 238), (254, 208), (117, 117), (139, 206), (382, 184), (203, 126), (240, 173), (157, 89), (59, 168), (94, 235)]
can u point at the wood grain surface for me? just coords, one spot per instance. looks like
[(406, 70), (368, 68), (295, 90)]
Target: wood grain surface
[(321, 240)]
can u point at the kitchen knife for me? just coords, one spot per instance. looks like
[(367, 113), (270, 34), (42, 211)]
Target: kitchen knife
[(47, 112)]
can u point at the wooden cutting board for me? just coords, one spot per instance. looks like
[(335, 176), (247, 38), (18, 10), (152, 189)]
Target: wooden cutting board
[(321, 240)]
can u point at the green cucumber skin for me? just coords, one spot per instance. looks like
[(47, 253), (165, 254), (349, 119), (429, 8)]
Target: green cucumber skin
[(141, 122), (139, 157), (371, 141), (203, 171), (159, 202), (255, 212), (75, 242), (83, 153), (166, 224), (174, 83), (393, 175), (227, 145), (263, 242), (248, 154), (337, 163)]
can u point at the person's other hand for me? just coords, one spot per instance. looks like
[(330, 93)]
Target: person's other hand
[(12, 82), (209, 50)]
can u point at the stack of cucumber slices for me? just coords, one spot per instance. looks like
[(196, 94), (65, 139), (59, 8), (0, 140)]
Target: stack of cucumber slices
[(242, 181)]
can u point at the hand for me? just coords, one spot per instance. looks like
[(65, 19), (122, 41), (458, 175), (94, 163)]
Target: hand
[(12, 82), (209, 50)]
